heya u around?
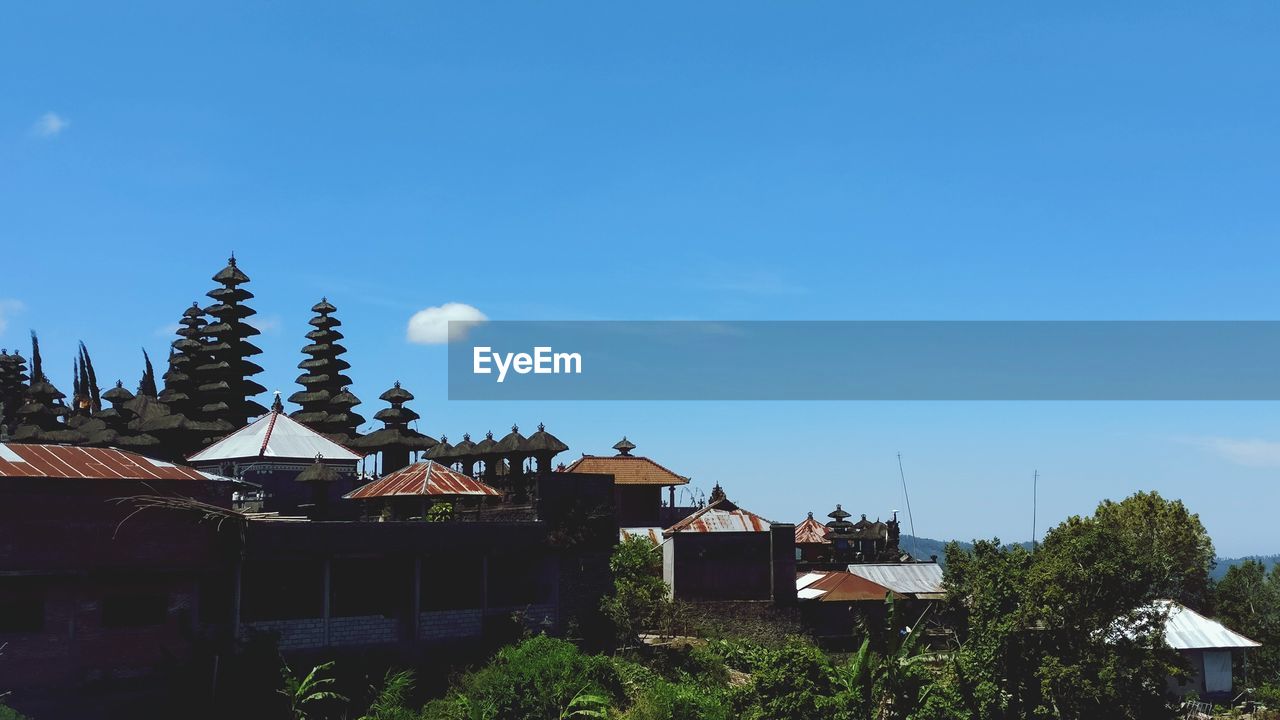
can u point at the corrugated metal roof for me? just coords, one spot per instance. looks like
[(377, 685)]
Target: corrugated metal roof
[(422, 479), (627, 470), (905, 578), (840, 586), (653, 533), (812, 532), (274, 435), (720, 516), (20, 460), (1186, 629)]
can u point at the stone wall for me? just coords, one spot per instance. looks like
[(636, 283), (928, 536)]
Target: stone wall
[(449, 624), (363, 630)]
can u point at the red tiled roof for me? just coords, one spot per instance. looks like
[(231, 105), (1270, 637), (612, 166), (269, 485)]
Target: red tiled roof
[(627, 470), (424, 478), (20, 460), (812, 532), (720, 516)]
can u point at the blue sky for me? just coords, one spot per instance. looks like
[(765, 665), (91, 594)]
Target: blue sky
[(676, 161)]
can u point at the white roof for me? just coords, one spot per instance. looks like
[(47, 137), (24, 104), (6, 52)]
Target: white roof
[(1186, 629), (274, 435), (905, 578)]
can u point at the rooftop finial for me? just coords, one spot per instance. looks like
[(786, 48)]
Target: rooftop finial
[(541, 427), (276, 405), (397, 385), (232, 260), (624, 446), (515, 427)]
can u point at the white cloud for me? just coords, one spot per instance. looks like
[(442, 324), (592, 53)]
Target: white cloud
[(8, 308), (1250, 452), (50, 124), (430, 326), (267, 324)]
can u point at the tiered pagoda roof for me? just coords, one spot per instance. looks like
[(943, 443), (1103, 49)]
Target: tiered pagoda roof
[(395, 437), (225, 387), (40, 418), (13, 386), (326, 402)]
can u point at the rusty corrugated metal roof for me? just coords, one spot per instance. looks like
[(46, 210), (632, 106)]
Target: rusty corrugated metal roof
[(840, 586), (627, 470), (720, 516), (812, 532), (20, 460), (424, 478), (653, 533)]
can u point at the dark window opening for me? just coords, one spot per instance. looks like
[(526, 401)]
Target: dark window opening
[(518, 580), (134, 610), (21, 610), (282, 590), (369, 586), (452, 583)]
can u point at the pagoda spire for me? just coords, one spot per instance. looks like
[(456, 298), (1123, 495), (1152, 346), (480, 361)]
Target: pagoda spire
[(396, 440), (326, 402), (13, 387), (225, 388), (40, 417), (181, 385)]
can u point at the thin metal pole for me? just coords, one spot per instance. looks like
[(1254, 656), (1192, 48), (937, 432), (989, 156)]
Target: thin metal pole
[(910, 518), (1035, 492)]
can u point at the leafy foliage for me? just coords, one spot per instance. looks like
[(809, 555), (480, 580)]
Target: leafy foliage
[(639, 601)]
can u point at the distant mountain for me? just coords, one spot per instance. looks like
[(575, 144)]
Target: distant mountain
[(1223, 563), (921, 548)]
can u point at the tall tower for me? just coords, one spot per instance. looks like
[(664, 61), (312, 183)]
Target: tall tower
[(326, 402), (226, 388)]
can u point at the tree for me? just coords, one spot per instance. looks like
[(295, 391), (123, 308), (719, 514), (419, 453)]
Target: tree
[(1247, 599), (1169, 539), (639, 601)]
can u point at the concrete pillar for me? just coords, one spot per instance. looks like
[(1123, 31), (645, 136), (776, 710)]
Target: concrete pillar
[(417, 595), (328, 565)]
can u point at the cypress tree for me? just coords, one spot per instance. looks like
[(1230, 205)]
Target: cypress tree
[(40, 417)]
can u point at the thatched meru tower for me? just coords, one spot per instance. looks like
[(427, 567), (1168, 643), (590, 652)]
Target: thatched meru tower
[(40, 419), (225, 388), (13, 388), (171, 423), (326, 402), (187, 354), (396, 440)]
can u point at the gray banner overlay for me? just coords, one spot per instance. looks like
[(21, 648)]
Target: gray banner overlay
[(865, 360)]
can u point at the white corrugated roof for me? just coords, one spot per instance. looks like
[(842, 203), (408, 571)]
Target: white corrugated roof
[(274, 435), (906, 578), (1186, 629)]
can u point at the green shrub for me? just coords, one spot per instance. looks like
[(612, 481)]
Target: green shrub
[(536, 679)]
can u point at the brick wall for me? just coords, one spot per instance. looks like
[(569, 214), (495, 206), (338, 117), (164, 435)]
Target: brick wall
[(363, 630), (292, 634), (449, 624)]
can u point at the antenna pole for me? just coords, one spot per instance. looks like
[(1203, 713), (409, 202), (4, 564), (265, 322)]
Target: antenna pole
[(1035, 491), (910, 518)]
